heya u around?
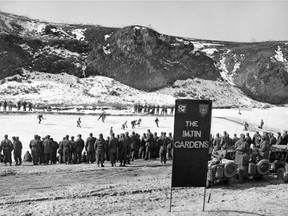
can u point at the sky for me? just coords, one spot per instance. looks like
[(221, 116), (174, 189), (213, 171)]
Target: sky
[(241, 21)]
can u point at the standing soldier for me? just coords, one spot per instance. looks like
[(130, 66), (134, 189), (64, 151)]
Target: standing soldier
[(24, 105), (123, 148), (67, 147), (170, 146), (163, 142), (248, 139), (47, 144), (89, 147), (256, 139), (99, 147), (60, 151), (225, 140), (5, 105), (127, 143), (35, 149), (17, 145), (30, 106), (18, 105), (133, 145), (79, 146), (241, 146), (264, 146), (142, 146), (217, 142), (54, 146), (148, 144), (7, 147)]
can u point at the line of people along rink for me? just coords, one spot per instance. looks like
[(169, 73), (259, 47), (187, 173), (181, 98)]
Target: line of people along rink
[(122, 148)]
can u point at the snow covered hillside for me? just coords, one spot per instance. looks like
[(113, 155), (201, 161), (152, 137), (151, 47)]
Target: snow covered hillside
[(65, 89), (141, 58)]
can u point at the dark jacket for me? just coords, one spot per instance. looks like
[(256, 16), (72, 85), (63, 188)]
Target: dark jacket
[(17, 145), (100, 145), (79, 145), (35, 145), (6, 145), (47, 146), (113, 145), (89, 146)]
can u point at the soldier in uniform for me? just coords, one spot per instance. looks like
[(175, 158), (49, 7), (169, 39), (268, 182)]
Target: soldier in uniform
[(99, 147), (112, 148), (133, 146), (149, 142), (67, 148), (17, 151), (241, 146), (170, 146), (47, 144), (60, 151), (89, 147), (142, 146), (78, 148), (54, 146), (123, 148), (163, 141), (264, 146), (35, 149), (7, 147)]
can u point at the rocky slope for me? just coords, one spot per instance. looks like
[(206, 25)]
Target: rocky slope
[(143, 58)]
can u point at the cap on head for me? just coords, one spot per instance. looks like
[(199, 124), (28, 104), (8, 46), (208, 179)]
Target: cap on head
[(5, 136)]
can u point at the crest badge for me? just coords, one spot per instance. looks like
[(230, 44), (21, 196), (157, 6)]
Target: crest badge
[(203, 109)]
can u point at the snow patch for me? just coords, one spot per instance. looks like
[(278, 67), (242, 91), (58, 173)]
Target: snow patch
[(106, 49), (224, 72), (236, 67), (33, 27), (79, 33), (59, 51), (279, 55), (209, 51), (107, 36)]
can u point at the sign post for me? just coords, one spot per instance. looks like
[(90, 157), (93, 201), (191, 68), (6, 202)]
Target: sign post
[(192, 125)]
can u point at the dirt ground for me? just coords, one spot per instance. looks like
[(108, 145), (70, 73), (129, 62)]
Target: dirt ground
[(142, 188)]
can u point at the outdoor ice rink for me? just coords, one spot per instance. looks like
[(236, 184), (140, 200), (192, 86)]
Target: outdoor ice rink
[(141, 188), (58, 125)]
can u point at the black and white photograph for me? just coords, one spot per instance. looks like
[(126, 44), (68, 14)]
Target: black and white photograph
[(143, 107)]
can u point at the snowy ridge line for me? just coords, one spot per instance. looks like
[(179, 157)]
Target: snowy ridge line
[(68, 90)]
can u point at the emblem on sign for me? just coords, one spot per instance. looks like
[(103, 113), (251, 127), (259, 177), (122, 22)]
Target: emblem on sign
[(182, 108), (203, 109)]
